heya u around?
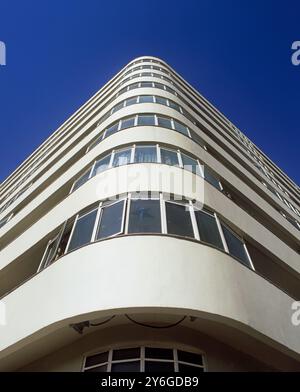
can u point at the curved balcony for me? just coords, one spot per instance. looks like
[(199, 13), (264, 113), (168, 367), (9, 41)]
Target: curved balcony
[(165, 274)]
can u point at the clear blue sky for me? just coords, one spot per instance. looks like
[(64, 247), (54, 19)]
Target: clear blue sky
[(236, 53)]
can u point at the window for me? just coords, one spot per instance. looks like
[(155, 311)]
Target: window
[(179, 220), (211, 178), (164, 122), (81, 180), (208, 229), (174, 106), (131, 101), (144, 216), (145, 154), (82, 233), (127, 123), (181, 128), (64, 239), (146, 99), (50, 253), (190, 164), (122, 157), (111, 130), (161, 101), (169, 157), (235, 246), (148, 359), (146, 84), (101, 165), (111, 220), (146, 119), (117, 107)]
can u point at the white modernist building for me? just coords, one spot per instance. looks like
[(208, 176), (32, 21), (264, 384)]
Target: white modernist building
[(148, 233)]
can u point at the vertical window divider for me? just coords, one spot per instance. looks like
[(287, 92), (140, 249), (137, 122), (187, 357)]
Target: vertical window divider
[(172, 124), (248, 255), (155, 120), (110, 353), (194, 222), (71, 234), (142, 366), (92, 169), (132, 153), (221, 233), (111, 159), (138, 99), (135, 120), (158, 153), (163, 214), (201, 166), (175, 356), (119, 125), (179, 159), (126, 215), (97, 221)]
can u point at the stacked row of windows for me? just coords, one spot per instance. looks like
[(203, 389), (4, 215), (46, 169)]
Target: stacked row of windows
[(165, 122), (6, 205), (144, 359), (144, 120), (147, 154), (133, 214), (245, 141)]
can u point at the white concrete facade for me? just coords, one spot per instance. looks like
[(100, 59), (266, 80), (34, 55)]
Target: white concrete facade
[(223, 280)]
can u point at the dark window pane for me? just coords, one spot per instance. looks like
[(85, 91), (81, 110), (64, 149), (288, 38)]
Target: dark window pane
[(117, 107), (111, 130), (208, 229), (96, 359), (82, 233), (101, 165), (126, 353), (181, 128), (158, 353), (151, 366), (164, 122), (185, 356), (189, 369), (127, 123), (174, 105), (131, 101), (98, 369), (161, 101), (146, 99), (133, 86), (96, 142), (235, 246), (146, 84), (190, 164), (144, 216), (145, 154), (126, 367), (122, 157), (169, 157), (111, 220), (179, 220), (64, 240), (211, 178), (81, 180), (51, 252), (146, 119)]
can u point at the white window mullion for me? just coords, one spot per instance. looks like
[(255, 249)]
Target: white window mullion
[(194, 222), (163, 214), (96, 222), (71, 234), (221, 233)]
